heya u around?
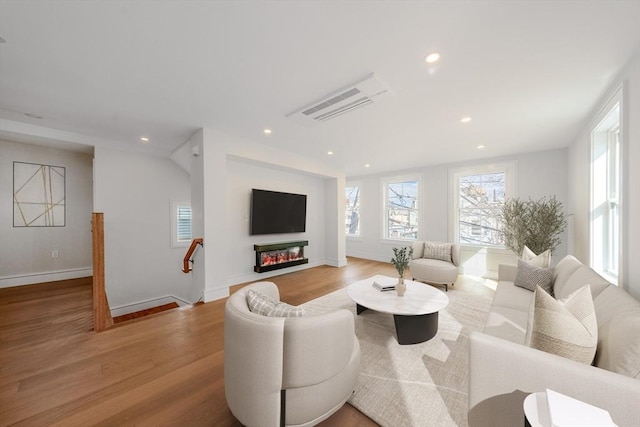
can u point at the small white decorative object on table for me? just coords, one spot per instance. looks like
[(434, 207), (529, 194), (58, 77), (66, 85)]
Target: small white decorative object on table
[(415, 314), (553, 409)]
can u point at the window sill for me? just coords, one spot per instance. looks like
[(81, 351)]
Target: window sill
[(398, 241)]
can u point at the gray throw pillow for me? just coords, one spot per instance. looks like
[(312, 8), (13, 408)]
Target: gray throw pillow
[(566, 328), (529, 276), (265, 306)]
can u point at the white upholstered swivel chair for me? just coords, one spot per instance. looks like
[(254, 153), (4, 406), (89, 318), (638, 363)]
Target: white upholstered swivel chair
[(435, 263), (287, 371)]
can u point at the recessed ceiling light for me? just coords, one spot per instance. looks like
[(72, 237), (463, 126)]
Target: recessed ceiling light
[(144, 139), (367, 165), (432, 57), (330, 153), (465, 119), (267, 131), (33, 116), (480, 147)]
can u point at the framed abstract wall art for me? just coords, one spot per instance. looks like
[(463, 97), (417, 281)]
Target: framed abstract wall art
[(39, 193)]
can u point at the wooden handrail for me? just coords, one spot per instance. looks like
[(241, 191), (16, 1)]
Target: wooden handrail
[(186, 267), (101, 313)]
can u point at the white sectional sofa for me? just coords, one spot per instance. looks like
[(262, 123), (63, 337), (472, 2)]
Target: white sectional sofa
[(503, 370)]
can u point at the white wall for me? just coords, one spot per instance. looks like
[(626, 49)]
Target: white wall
[(222, 175), (25, 253), (539, 174), (579, 184), (241, 178), (135, 191)]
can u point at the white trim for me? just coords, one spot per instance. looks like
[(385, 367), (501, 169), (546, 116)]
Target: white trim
[(216, 294), (47, 276), (368, 255), (336, 262), (602, 124), (143, 305)]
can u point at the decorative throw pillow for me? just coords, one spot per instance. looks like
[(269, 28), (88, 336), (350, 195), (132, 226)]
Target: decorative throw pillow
[(265, 306), (529, 276), (441, 251), (543, 260), (565, 328)]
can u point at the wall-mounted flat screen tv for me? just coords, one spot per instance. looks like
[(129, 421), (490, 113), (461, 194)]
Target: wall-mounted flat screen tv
[(273, 212)]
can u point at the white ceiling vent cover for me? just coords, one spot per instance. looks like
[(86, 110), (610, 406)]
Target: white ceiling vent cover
[(359, 94)]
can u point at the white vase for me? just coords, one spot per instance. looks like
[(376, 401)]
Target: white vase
[(401, 287)]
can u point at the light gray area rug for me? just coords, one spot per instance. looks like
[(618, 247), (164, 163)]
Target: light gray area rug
[(422, 384)]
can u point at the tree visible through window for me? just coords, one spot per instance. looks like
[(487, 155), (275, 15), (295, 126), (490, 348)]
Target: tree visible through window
[(401, 209), (478, 194), (352, 212)]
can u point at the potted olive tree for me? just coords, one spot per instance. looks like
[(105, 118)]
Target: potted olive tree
[(536, 224)]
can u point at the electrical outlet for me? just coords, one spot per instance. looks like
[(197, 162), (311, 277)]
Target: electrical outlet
[(54, 254)]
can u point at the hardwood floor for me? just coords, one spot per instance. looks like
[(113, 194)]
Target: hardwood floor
[(164, 369)]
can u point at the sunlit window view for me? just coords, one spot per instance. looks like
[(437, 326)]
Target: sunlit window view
[(481, 197), (352, 211), (402, 210), (605, 195)]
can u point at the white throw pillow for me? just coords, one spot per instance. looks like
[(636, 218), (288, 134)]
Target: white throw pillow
[(566, 328), (265, 306), (543, 260)]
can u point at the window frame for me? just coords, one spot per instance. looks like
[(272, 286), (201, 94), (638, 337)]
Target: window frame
[(351, 185), (606, 136), (384, 182), (509, 168), (175, 243)]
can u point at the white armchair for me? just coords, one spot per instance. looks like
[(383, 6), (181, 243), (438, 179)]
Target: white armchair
[(287, 371), (435, 263)]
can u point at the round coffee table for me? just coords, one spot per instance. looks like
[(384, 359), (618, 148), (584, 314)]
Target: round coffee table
[(415, 314)]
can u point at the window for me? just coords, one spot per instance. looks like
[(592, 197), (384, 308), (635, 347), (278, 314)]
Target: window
[(352, 210), (180, 224), (401, 210), (478, 196), (605, 191)]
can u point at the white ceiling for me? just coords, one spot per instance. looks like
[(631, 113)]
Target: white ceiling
[(528, 72)]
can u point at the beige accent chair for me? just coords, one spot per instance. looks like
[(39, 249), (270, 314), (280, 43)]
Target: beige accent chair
[(287, 371), (434, 271)]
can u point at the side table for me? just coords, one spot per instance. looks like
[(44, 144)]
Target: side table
[(565, 411), (536, 410)]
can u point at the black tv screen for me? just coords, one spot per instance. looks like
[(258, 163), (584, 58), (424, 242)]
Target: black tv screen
[(273, 212)]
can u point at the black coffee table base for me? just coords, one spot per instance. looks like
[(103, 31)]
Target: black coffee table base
[(412, 329)]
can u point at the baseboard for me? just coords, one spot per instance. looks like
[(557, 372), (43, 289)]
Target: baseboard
[(369, 255), (143, 305), (256, 277), (48, 276), (215, 294), (336, 262)]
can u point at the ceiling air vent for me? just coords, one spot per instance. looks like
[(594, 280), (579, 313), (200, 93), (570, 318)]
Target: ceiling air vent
[(359, 94)]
